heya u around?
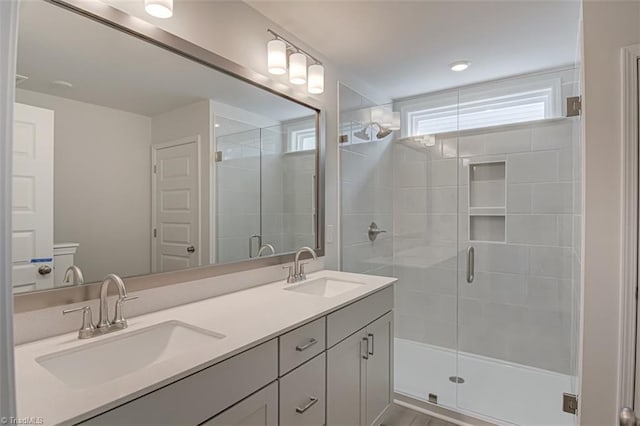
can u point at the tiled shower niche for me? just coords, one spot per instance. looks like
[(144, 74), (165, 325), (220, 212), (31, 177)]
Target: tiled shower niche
[(487, 201)]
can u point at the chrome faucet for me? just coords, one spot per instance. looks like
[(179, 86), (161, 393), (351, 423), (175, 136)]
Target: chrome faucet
[(296, 273), (88, 330), (266, 247), (73, 275)]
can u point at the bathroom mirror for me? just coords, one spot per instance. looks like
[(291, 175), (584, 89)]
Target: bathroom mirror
[(134, 159)]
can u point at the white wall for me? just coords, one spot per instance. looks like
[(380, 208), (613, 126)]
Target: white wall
[(191, 120), (608, 26), (102, 184), (238, 32)]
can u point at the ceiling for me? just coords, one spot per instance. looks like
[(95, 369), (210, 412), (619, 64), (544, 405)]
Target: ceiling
[(113, 69), (404, 48)]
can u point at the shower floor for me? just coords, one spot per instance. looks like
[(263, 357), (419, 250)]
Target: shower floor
[(495, 390)]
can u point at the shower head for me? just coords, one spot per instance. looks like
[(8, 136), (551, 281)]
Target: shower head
[(383, 132), (362, 134)]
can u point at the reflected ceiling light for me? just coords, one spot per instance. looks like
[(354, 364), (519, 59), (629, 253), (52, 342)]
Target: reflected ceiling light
[(277, 57), (299, 71), (216, 125), (297, 68), (459, 65), (159, 8)]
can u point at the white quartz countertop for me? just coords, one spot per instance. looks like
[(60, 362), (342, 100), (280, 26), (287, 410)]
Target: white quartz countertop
[(246, 318)]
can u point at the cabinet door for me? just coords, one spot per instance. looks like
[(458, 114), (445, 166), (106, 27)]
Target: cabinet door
[(259, 409), (302, 394), (379, 367), (345, 382)]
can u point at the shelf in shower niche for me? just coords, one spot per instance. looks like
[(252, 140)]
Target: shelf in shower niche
[(487, 228), (487, 211)]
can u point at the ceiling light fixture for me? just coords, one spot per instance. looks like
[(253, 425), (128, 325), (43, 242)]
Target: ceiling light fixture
[(159, 8), (459, 65), (300, 72)]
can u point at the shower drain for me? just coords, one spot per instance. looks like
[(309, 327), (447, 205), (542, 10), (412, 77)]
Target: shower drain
[(456, 379)]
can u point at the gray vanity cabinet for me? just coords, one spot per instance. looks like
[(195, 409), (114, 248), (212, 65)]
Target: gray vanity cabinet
[(259, 409), (335, 370), (359, 368)]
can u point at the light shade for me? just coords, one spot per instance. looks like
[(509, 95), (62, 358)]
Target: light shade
[(277, 57), (316, 79), (297, 68), (159, 8)]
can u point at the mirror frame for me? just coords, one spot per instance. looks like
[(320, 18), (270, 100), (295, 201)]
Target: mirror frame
[(108, 15)]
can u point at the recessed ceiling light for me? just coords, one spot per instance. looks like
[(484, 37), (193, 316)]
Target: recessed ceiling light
[(459, 65), (216, 125), (159, 8)]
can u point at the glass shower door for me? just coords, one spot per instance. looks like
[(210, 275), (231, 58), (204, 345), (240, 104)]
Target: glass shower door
[(517, 289)]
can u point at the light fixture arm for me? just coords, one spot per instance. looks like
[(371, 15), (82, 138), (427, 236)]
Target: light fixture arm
[(290, 45)]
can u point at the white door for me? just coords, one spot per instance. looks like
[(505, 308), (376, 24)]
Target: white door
[(176, 205), (32, 198)]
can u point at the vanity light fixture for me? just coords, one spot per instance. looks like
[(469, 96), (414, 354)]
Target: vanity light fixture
[(459, 65), (300, 72), (159, 8)]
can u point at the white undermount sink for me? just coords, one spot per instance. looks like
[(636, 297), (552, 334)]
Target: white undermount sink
[(107, 359), (324, 287)]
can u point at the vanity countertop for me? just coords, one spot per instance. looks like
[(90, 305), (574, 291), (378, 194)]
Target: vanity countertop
[(247, 318)]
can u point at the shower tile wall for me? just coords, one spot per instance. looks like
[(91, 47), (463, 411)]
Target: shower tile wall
[(299, 202), (519, 307), (272, 192), (238, 195), (366, 171)]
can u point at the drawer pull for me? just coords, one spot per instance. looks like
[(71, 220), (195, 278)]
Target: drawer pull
[(307, 345), (365, 340), (310, 404), (371, 339)]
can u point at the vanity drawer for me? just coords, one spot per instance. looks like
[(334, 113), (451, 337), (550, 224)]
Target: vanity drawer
[(196, 398), (346, 321), (301, 344), (302, 394)]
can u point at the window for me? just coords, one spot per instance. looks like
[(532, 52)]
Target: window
[(491, 105), (301, 135)]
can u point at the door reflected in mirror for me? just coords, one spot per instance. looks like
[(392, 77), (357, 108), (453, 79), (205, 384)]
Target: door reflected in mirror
[(131, 159)]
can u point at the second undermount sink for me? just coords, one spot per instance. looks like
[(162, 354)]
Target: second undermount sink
[(104, 360), (324, 287)]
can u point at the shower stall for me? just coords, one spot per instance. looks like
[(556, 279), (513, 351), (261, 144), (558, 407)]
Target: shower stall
[(479, 192)]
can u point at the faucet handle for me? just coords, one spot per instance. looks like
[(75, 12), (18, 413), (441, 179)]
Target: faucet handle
[(292, 276), (87, 329), (118, 317)]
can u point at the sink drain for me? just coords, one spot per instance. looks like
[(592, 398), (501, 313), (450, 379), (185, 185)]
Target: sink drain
[(456, 379)]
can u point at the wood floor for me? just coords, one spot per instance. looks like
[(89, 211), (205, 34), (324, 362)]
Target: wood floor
[(401, 416)]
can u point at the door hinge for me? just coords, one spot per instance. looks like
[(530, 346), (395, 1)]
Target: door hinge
[(574, 106), (218, 157), (155, 233), (155, 169), (344, 138), (569, 403)]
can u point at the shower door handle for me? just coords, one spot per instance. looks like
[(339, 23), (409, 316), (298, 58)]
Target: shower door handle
[(470, 264)]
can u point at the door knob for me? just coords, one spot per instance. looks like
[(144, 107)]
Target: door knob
[(191, 249), (45, 270)]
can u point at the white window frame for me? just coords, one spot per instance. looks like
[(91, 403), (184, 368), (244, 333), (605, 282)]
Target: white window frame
[(548, 89), (298, 132)]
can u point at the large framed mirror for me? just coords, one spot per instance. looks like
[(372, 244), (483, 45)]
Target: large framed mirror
[(138, 153)]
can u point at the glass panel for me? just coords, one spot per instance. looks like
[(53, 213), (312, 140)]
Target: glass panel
[(238, 200), (517, 318)]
